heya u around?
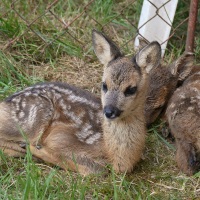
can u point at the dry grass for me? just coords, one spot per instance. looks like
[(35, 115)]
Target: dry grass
[(72, 70)]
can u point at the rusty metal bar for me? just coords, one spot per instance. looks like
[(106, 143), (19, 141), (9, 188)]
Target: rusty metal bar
[(191, 26)]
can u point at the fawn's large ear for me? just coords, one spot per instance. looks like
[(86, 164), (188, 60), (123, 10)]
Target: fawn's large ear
[(149, 56), (182, 66), (104, 48)]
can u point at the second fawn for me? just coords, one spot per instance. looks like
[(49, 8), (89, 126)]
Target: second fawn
[(163, 80), (183, 117), (66, 126)]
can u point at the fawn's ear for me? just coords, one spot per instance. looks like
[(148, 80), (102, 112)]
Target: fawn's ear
[(182, 66), (104, 48), (149, 56)]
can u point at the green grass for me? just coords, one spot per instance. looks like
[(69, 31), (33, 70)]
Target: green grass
[(153, 178), (59, 54)]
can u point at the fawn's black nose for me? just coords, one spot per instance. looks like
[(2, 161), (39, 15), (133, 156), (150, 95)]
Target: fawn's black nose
[(111, 112)]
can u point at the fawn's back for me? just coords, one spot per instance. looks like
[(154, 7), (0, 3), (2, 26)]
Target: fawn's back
[(42, 106)]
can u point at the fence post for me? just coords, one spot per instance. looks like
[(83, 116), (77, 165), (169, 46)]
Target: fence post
[(191, 26), (156, 21)]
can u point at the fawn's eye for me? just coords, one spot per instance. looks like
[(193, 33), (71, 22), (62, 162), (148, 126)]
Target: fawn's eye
[(104, 87), (130, 91)]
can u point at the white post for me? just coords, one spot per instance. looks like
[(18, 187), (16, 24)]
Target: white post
[(157, 28)]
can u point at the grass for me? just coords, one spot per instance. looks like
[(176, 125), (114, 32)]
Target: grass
[(53, 53)]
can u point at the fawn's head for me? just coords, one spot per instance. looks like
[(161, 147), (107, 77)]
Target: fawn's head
[(163, 80), (124, 81)]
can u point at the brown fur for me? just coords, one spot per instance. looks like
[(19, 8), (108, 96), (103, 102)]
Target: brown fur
[(184, 118), (65, 125)]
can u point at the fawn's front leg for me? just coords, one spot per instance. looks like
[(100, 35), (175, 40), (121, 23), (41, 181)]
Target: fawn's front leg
[(186, 157), (12, 148)]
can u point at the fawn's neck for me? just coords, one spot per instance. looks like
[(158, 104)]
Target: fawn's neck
[(124, 141), (124, 138), (126, 128)]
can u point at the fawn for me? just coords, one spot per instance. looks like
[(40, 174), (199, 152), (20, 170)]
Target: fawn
[(163, 80), (183, 117), (66, 126)]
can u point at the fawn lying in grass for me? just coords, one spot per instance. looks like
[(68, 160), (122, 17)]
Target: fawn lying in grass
[(65, 125), (183, 117)]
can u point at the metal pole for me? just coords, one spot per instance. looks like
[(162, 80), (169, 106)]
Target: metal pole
[(191, 26)]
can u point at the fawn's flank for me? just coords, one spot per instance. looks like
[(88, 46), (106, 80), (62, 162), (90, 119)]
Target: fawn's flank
[(163, 80), (183, 117), (65, 125)]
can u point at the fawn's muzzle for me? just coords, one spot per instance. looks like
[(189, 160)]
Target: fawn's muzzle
[(111, 112)]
